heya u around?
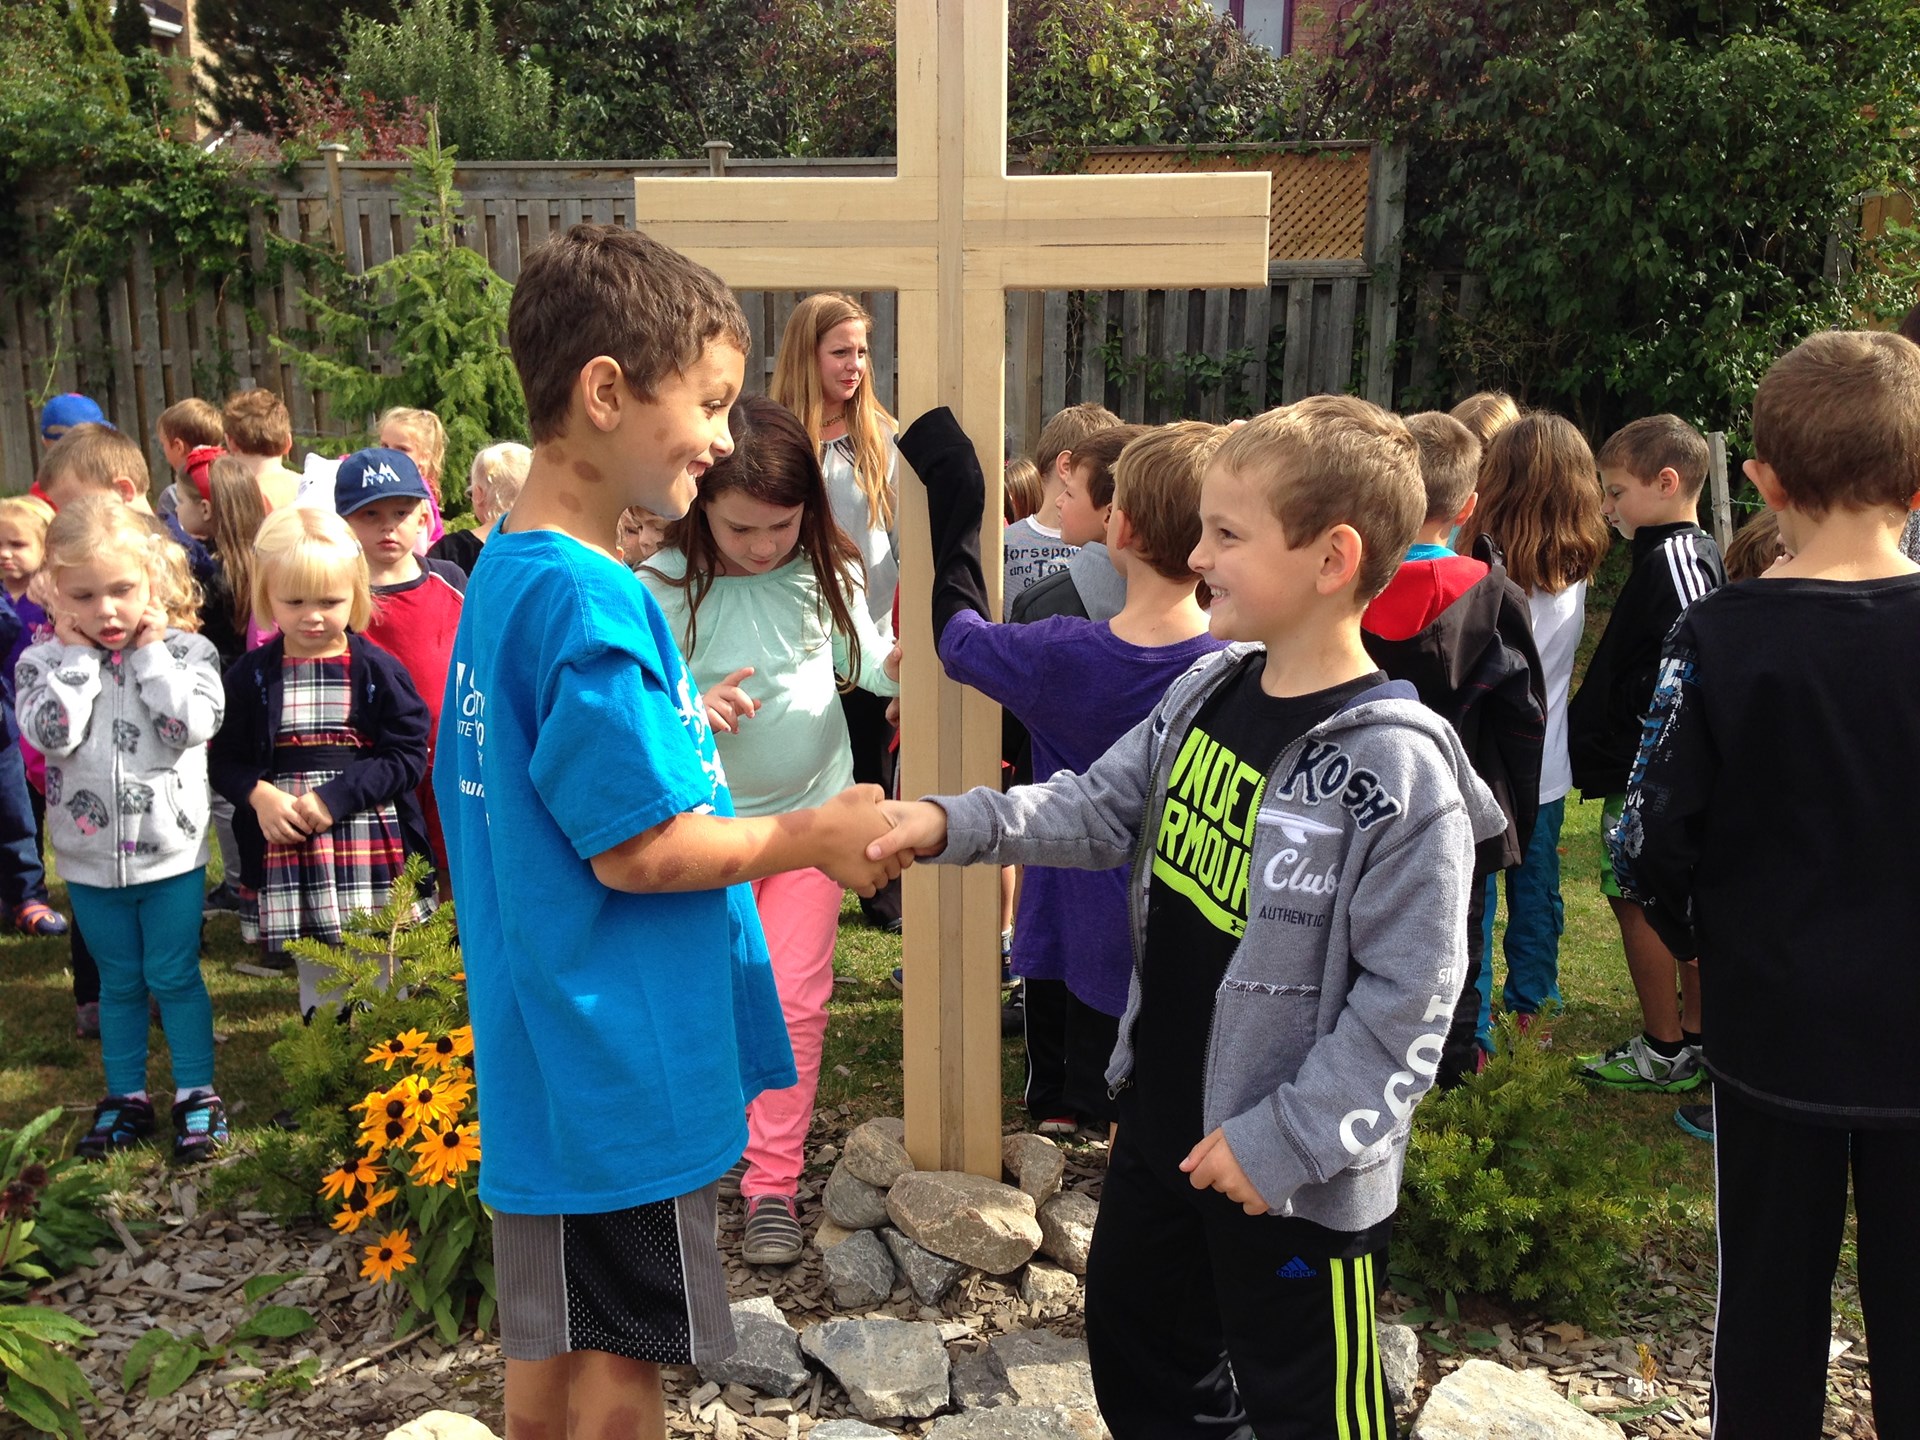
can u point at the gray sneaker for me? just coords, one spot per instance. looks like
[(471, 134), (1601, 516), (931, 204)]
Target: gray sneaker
[(773, 1235), (1636, 1065), (729, 1183)]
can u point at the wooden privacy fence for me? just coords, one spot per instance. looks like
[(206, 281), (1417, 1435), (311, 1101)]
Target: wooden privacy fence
[(1326, 321)]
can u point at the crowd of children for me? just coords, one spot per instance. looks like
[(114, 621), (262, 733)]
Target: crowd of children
[(1295, 705)]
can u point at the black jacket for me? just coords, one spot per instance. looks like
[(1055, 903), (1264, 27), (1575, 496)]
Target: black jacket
[(1769, 831), (1476, 665), (1673, 566), (385, 708)]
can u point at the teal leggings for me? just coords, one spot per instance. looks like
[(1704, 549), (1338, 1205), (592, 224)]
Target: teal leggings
[(146, 939)]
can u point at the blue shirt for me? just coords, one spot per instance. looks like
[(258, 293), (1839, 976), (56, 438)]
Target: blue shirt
[(617, 1038), (1429, 552)]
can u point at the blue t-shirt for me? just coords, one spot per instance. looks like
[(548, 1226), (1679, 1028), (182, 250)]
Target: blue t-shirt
[(617, 1038)]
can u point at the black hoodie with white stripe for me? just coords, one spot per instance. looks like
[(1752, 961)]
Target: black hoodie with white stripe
[(1673, 566)]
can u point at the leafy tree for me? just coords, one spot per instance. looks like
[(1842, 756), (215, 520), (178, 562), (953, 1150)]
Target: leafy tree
[(439, 308), (1648, 187), (445, 54), (254, 42)]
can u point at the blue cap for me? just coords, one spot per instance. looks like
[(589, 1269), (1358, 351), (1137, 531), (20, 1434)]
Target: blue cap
[(63, 412), (375, 474)]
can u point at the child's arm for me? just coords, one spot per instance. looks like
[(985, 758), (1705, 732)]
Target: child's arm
[(1074, 822), (874, 648), (1656, 844), (57, 683), (1359, 1083), (183, 691)]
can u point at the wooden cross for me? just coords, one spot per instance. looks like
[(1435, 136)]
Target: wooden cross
[(951, 232)]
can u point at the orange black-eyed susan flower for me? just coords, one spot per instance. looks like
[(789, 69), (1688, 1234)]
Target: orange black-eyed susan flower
[(446, 1049), (338, 1184), (387, 1257), (350, 1217), (445, 1154), (403, 1046), (389, 1118), (437, 1101)]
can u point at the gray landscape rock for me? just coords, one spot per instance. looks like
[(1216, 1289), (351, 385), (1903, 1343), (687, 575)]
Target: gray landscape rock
[(968, 1218), (1066, 1229), (874, 1153), (1485, 1401), (768, 1358), (1035, 1164), (827, 1234), (1044, 1369), (930, 1276), (1049, 1287), (849, 1430), (978, 1382), (1399, 1362), (859, 1271), (890, 1369), (1011, 1422), (852, 1202)]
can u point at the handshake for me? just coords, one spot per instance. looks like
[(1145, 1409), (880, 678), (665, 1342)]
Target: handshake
[(864, 840)]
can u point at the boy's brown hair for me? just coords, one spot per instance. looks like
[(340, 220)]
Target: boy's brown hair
[(1064, 431), (95, 456), (1645, 447), (1156, 485), (605, 290), (1337, 460), (1486, 413), (1838, 419), (1754, 547), (1021, 489), (1099, 451), (256, 423), (1449, 461), (193, 421)]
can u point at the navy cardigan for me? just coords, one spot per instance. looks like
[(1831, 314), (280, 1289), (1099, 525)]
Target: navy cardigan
[(385, 708)]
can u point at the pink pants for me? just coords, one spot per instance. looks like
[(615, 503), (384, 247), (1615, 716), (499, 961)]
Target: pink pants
[(800, 911)]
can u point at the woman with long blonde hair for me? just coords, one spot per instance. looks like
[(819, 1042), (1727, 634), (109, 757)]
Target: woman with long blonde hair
[(822, 374)]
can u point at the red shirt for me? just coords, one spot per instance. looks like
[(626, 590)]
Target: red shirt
[(415, 623)]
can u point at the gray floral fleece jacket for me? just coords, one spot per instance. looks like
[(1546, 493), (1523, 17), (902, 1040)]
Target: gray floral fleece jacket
[(125, 735), (1328, 1023)]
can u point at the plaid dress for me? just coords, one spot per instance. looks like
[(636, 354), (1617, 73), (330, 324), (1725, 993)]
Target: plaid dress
[(312, 887)]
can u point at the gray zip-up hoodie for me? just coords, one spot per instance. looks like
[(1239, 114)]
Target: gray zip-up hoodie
[(1328, 1024), (125, 735)]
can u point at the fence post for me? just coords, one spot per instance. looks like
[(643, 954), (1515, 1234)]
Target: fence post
[(336, 209), (1722, 501), (717, 152), (1386, 220)]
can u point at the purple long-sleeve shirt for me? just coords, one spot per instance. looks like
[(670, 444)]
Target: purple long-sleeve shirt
[(1077, 688)]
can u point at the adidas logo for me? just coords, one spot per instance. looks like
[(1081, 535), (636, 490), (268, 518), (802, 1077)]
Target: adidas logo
[(1297, 1269)]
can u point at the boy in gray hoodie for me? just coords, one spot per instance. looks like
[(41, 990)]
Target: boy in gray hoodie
[(1304, 830)]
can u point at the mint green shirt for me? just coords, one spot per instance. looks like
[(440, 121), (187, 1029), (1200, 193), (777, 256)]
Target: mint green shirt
[(793, 751)]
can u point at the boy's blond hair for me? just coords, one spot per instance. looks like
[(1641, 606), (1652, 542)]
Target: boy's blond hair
[(1066, 429), (100, 524), (606, 290), (1449, 461), (95, 456), (1156, 485), (1645, 447), (1486, 413), (426, 435), (1337, 460), (193, 421), (1838, 419), (300, 549), (255, 422)]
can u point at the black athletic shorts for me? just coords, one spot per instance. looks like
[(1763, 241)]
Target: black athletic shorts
[(646, 1283)]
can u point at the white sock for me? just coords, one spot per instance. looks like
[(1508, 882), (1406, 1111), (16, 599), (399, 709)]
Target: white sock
[(189, 1092), (135, 1095)]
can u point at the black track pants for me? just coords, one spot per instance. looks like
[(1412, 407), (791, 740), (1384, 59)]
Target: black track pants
[(1781, 1202), (1203, 1320)]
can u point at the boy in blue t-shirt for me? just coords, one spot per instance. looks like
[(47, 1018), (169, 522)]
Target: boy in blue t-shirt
[(624, 1010)]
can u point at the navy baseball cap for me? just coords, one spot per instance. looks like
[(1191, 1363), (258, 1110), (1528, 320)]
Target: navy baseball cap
[(63, 412), (375, 474)]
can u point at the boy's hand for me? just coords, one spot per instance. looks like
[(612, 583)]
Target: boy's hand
[(279, 814), (727, 704), (845, 825), (919, 829), (1211, 1166), (313, 812)]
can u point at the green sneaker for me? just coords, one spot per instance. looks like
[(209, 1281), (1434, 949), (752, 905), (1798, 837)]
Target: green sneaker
[(1636, 1065)]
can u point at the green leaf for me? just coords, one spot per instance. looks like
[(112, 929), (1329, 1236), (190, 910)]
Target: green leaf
[(141, 1356), (276, 1322), (37, 1410), (173, 1367), (44, 1324), (445, 1319), (261, 1286), (1483, 1340)]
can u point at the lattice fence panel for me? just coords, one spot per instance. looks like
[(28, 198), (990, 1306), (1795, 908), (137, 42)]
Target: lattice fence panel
[(1319, 197)]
